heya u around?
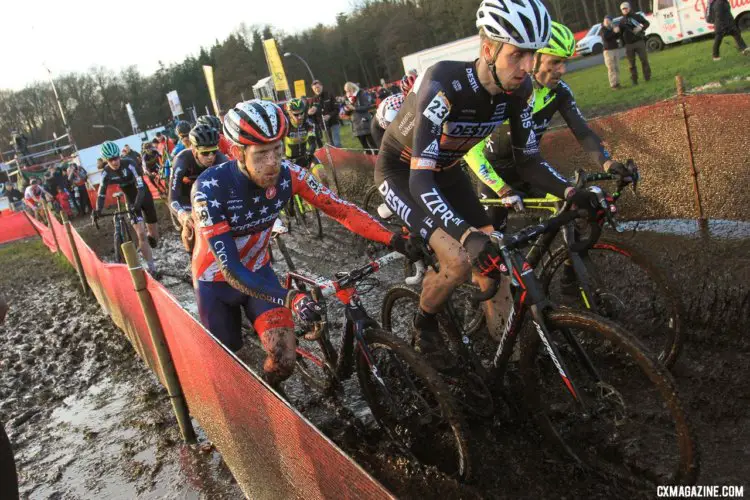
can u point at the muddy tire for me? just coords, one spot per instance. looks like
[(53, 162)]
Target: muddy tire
[(650, 308), (316, 362), (425, 421), (468, 387), (633, 426), (121, 236), (8, 476)]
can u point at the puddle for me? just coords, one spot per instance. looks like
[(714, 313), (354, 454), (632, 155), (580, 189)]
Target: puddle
[(714, 228)]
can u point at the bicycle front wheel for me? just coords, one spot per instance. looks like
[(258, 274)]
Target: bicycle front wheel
[(630, 289), (412, 404), (628, 421)]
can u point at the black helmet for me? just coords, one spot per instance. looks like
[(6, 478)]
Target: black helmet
[(182, 127), (210, 120), (204, 136)]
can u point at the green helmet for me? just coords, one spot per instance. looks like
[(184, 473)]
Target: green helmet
[(296, 105), (110, 150), (562, 43)]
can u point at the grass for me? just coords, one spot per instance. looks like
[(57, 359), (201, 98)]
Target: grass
[(691, 60)]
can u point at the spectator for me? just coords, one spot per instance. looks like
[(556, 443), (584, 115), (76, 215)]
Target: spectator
[(325, 109), (610, 40), (20, 143), (163, 141), (128, 152), (720, 14), (15, 197), (358, 109), (77, 176), (633, 27), (100, 164)]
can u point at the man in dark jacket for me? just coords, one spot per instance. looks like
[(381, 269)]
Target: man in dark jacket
[(326, 112), (610, 39), (633, 27), (720, 13)]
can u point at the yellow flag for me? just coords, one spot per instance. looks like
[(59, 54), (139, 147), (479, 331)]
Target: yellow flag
[(299, 88), (275, 66), (209, 72)]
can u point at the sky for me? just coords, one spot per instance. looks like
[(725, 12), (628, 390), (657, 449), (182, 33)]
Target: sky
[(74, 35)]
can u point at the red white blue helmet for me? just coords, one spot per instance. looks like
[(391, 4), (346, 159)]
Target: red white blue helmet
[(255, 122)]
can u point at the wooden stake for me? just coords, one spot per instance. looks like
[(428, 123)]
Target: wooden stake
[(164, 358), (49, 224), (76, 256)]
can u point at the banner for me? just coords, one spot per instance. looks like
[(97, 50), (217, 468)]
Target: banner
[(299, 88), (208, 71), (275, 66), (131, 115), (174, 103)]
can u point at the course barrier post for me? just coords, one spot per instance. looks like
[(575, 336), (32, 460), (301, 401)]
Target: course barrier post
[(76, 257), (28, 218), (49, 214), (166, 365), (680, 84)]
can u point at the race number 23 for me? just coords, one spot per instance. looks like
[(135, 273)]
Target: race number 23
[(437, 109)]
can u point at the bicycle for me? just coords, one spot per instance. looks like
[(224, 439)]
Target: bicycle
[(625, 267), (405, 394), (121, 225), (614, 409), (300, 209)]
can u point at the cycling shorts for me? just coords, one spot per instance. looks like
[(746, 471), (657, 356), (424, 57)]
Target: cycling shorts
[(220, 309), (453, 182), (147, 212)]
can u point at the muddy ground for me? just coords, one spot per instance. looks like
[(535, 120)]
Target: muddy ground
[(87, 419)]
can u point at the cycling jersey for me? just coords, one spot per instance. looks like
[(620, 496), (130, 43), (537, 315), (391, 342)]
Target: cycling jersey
[(151, 158), (186, 170), (136, 193), (496, 151), (225, 146), (234, 218), (179, 148), (33, 194), (300, 141), (445, 115)]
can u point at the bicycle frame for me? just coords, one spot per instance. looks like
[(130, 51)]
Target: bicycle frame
[(357, 319)]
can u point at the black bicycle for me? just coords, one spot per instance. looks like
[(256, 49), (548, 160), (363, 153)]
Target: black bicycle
[(591, 387), (121, 226), (406, 395)]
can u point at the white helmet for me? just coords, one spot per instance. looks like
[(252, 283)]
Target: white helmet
[(523, 23)]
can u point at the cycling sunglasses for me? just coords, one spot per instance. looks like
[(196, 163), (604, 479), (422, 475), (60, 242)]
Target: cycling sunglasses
[(208, 152), (114, 158)]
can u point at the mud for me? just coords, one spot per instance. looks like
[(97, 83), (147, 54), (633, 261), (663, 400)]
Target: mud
[(98, 420)]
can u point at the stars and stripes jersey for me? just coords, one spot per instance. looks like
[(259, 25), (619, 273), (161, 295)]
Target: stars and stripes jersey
[(234, 218)]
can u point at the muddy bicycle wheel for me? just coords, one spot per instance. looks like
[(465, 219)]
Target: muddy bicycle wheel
[(121, 236), (315, 362), (629, 422), (412, 404), (631, 290), (468, 387)]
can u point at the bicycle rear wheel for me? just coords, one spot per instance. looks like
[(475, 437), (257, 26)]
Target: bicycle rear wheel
[(467, 386), (631, 290), (412, 404), (631, 424)]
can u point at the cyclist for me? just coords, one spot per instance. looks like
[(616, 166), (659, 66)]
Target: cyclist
[(452, 106), (122, 172), (34, 195), (224, 143), (492, 160), (389, 108), (188, 165), (183, 135), (235, 206), (302, 139)]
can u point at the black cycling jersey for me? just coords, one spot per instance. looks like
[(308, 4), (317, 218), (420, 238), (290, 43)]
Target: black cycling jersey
[(184, 172), (445, 115), (499, 149), (136, 193), (301, 141)]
